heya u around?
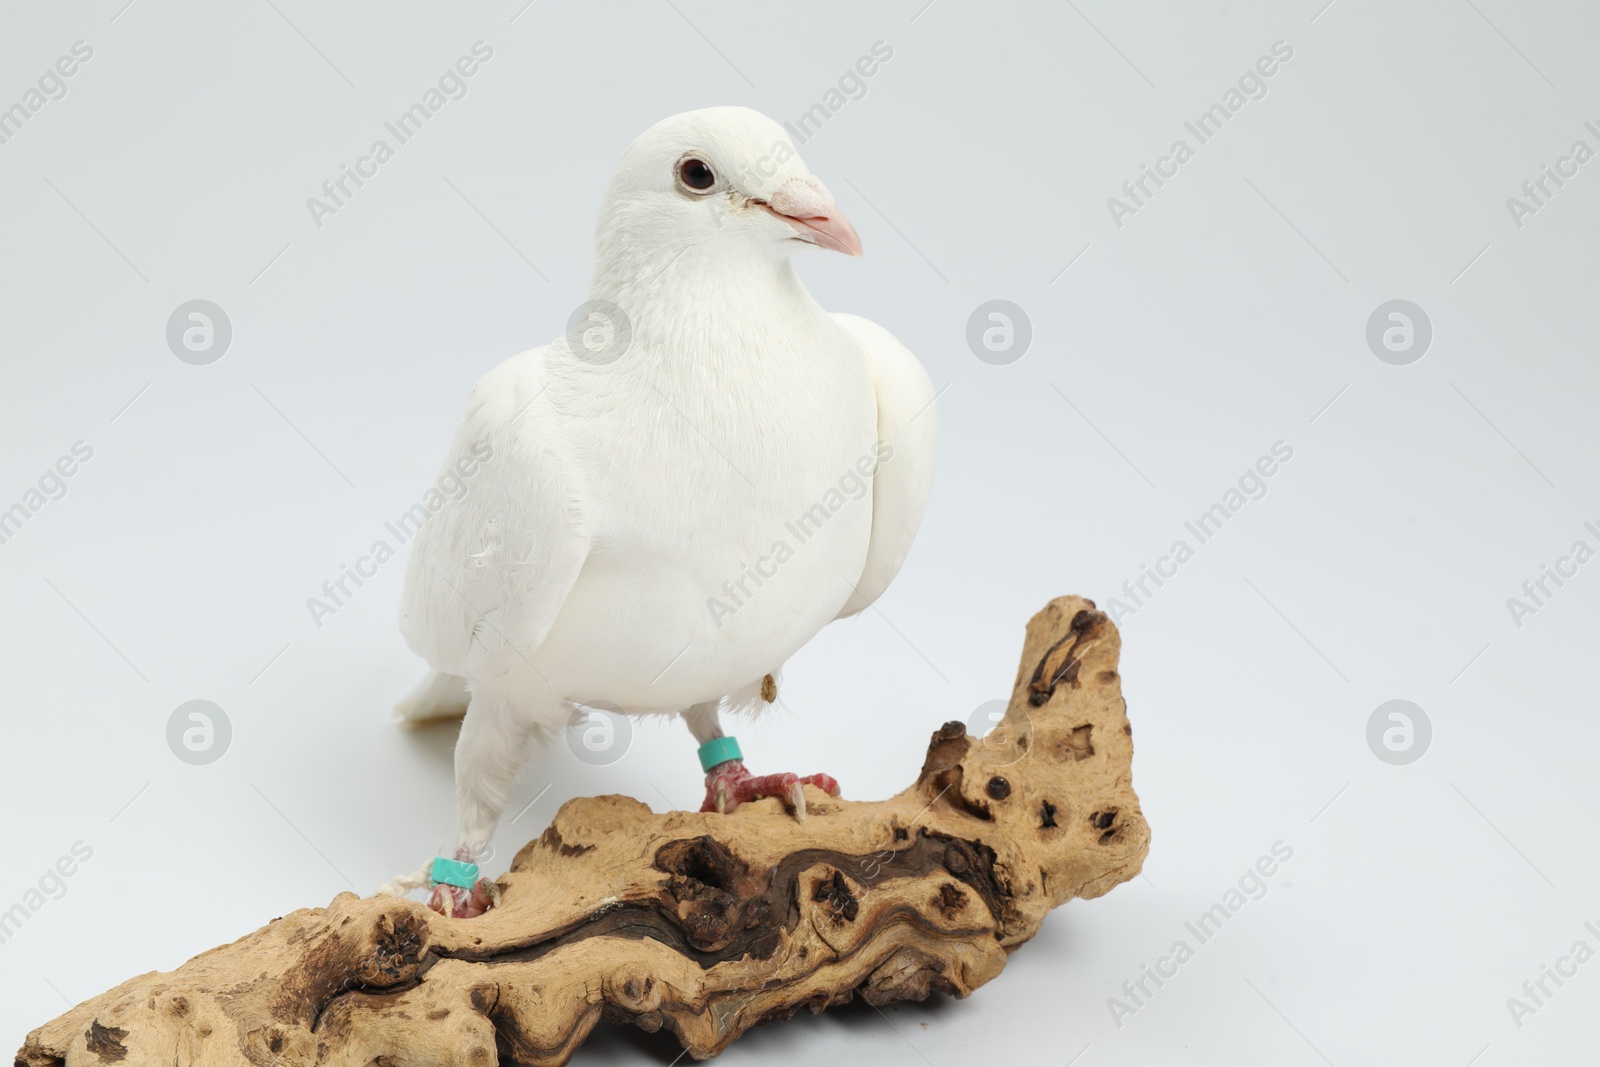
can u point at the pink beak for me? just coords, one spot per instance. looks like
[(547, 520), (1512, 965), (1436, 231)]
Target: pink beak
[(806, 205)]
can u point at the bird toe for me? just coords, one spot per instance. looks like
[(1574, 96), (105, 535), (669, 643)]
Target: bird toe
[(797, 799)]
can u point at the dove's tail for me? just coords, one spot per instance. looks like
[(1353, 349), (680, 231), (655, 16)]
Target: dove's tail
[(437, 696)]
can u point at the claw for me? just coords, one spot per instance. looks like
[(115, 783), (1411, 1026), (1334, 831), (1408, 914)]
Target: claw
[(442, 900), (729, 784), (485, 895), (457, 903)]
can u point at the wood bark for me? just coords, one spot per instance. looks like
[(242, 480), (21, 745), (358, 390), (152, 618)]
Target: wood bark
[(703, 924)]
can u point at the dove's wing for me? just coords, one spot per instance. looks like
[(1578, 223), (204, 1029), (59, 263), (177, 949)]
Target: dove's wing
[(490, 571), (907, 431)]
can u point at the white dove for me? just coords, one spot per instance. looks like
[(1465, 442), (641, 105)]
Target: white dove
[(665, 504)]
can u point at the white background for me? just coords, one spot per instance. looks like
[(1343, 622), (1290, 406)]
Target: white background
[(1227, 314)]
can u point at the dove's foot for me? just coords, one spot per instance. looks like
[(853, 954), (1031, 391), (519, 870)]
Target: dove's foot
[(459, 903), (455, 901), (730, 784)]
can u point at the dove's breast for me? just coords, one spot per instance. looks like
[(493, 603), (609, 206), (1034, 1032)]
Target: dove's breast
[(731, 514)]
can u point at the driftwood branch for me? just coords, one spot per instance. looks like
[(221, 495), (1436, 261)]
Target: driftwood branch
[(704, 924)]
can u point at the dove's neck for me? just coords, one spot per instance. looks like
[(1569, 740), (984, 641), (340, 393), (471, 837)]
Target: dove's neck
[(698, 291)]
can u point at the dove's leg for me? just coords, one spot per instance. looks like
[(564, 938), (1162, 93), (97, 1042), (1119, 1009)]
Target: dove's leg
[(437, 696), (704, 722), (729, 783), (495, 740)]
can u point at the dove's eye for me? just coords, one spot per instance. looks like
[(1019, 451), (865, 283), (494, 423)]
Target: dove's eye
[(695, 175)]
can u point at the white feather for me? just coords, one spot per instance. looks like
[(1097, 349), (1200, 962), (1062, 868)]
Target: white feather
[(621, 500), (908, 429)]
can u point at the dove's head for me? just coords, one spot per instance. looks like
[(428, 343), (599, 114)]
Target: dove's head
[(725, 182)]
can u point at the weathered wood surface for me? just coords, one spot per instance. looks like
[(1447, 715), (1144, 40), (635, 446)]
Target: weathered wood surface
[(701, 923)]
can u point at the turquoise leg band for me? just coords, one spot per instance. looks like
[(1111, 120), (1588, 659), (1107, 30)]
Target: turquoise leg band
[(453, 872), (718, 750)]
